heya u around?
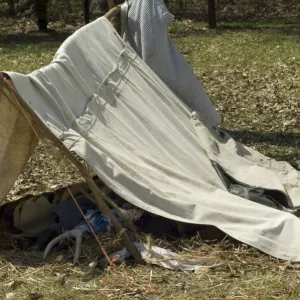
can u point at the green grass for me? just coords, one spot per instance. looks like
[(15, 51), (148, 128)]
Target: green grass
[(251, 71), (252, 76), (26, 58)]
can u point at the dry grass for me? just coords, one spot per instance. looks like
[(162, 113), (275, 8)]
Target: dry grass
[(252, 75), (245, 274)]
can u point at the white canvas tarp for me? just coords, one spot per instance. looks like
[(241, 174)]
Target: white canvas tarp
[(102, 100)]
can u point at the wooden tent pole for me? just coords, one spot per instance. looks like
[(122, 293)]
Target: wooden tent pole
[(113, 12), (99, 200), (110, 4)]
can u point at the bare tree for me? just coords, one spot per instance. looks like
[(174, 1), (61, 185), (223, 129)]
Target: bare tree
[(86, 11), (212, 19), (11, 5), (40, 8)]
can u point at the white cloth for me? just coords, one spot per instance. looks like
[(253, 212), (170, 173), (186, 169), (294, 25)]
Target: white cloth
[(147, 33), (108, 106), (161, 257)]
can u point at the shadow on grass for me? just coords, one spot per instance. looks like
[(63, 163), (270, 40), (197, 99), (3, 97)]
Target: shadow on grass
[(272, 138), (276, 145), (281, 26), (35, 37)]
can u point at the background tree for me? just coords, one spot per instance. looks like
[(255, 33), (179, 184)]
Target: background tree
[(212, 19), (40, 8), (86, 11), (11, 5)]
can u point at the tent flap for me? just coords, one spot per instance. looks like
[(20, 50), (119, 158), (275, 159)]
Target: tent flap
[(18, 143)]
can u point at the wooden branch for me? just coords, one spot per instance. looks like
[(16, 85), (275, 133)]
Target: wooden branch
[(44, 132), (113, 12), (114, 16), (110, 4), (112, 204)]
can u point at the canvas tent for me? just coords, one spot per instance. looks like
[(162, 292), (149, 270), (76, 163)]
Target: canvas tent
[(102, 101)]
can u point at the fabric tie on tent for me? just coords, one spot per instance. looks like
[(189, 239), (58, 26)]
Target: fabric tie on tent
[(105, 103)]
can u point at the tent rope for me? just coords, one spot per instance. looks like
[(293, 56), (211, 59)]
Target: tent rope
[(92, 231)]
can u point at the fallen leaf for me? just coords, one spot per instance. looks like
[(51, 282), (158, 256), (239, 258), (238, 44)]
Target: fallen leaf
[(10, 296)]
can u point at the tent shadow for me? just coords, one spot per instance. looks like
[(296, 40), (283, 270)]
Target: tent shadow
[(33, 258), (20, 254), (287, 139), (281, 27), (287, 144)]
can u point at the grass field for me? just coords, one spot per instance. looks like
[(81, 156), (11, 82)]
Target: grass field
[(251, 72)]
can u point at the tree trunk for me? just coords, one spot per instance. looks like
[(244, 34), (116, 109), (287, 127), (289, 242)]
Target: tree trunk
[(212, 19), (40, 7), (86, 11), (11, 5)]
